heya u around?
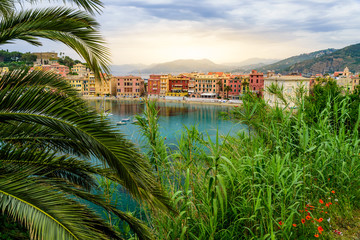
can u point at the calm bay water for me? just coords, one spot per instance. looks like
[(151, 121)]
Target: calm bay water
[(173, 117)]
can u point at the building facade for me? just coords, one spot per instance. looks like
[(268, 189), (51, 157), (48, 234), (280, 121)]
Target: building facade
[(154, 85), (45, 58), (256, 83), (289, 86), (129, 86)]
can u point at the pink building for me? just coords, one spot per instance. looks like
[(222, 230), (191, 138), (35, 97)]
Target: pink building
[(62, 70), (235, 84), (256, 83), (129, 86)]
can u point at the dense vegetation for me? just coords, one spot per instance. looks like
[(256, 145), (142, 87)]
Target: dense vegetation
[(295, 176)]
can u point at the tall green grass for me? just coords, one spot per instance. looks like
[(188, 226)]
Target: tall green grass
[(258, 184)]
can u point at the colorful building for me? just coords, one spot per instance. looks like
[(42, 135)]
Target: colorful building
[(256, 83), (178, 86), (154, 84), (57, 68), (129, 86), (80, 69)]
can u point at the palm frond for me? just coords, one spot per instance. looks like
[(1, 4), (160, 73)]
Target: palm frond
[(6, 7), (75, 29), (91, 6), (47, 213), (82, 129)]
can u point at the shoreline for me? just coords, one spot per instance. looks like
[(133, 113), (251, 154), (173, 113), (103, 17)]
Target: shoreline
[(228, 104)]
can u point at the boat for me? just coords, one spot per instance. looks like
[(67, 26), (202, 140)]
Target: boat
[(121, 123), (126, 120)]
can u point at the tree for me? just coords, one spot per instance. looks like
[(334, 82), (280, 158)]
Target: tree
[(48, 136), (227, 89), (28, 58), (219, 83)]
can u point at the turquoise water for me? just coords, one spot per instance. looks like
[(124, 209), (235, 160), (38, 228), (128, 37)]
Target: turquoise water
[(173, 116)]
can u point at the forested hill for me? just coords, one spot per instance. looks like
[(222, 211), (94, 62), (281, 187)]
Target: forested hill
[(286, 64), (336, 61)]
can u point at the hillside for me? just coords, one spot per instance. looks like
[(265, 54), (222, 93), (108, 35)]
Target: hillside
[(284, 65), (336, 61), (185, 65)]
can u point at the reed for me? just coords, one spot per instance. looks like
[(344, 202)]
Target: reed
[(282, 180)]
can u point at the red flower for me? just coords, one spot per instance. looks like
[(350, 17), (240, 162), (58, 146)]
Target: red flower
[(327, 205), (280, 223), (321, 201), (320, 220), (320, 229), (308, 214), (308, 217), (332, 191), (303, 221), (294, 225), (316, 235), (330, 203)]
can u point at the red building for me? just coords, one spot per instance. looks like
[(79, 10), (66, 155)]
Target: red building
[(256, 83), (129, 86), (235, 84), (154, 84), (179, 84)]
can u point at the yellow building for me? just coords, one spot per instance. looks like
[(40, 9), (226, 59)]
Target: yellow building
[(80, 69), (164, 84), (4, 70), (76, 82)]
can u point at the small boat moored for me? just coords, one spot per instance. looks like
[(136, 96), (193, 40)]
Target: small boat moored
[(121, 123)]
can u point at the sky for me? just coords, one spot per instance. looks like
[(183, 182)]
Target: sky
[(155, 31)]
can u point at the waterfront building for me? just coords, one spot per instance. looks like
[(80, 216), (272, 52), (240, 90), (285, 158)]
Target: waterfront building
[(129, 86), (76, 82), (45, 58), (178, 86), (256, 84), (234, 83), (289, 85), (89, 85), (154, 85), (206, 86), (164, 84)]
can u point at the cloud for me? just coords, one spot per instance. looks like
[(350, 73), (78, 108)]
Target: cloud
[(147, 31)]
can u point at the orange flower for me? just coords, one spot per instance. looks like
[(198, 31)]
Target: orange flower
[(332, 191), (280, 223), (320, 220), (320, 229), (330, 203), (327, 205), (294, 225), (321, 201), (303, 221), (316, 235), (308, 217)]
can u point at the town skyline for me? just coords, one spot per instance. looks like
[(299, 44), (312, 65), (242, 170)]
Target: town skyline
[(147, 32)]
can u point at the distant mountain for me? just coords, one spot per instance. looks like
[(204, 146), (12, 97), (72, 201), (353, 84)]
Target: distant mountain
[(184, 65), (118, 70), (284, 65), (252, 61), (336, 61), (250, 64)]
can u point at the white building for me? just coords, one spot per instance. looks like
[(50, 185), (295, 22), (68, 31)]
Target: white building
[(289, 86)]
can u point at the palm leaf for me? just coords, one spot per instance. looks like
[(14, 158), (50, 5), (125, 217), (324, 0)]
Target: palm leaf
[(75, 29), (47, 213), (84, 130)]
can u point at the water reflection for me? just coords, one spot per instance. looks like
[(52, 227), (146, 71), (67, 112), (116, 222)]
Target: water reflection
[(173, 116)]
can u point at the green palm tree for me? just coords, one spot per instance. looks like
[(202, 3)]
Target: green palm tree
[(227, 89), (48, 136)]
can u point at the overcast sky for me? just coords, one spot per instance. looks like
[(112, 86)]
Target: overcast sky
[(153, 31)]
